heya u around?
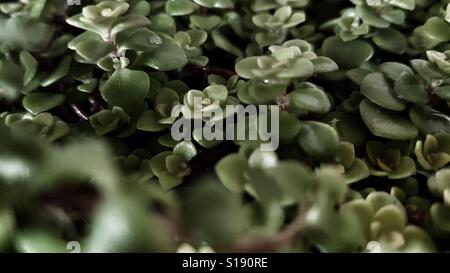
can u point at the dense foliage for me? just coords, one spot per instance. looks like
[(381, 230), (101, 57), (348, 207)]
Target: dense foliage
[(86, 154)]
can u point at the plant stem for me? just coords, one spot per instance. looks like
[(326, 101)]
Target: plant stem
[(80, 113), (219, 71), (272, 244)]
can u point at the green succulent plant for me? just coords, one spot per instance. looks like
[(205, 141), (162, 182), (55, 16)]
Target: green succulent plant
[(137, 165), (276, 25), (107, 121), (161, 117), (180, 8), (44, 125), (270, 75), (294, 59), (438, 184), (434, 30), (263, 5), (389, 228), (191, 41), (354, 169), (234, 170), (440, 60), (18, 77), (171, 167), (232, 84), (213, 97), (382, 13)]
